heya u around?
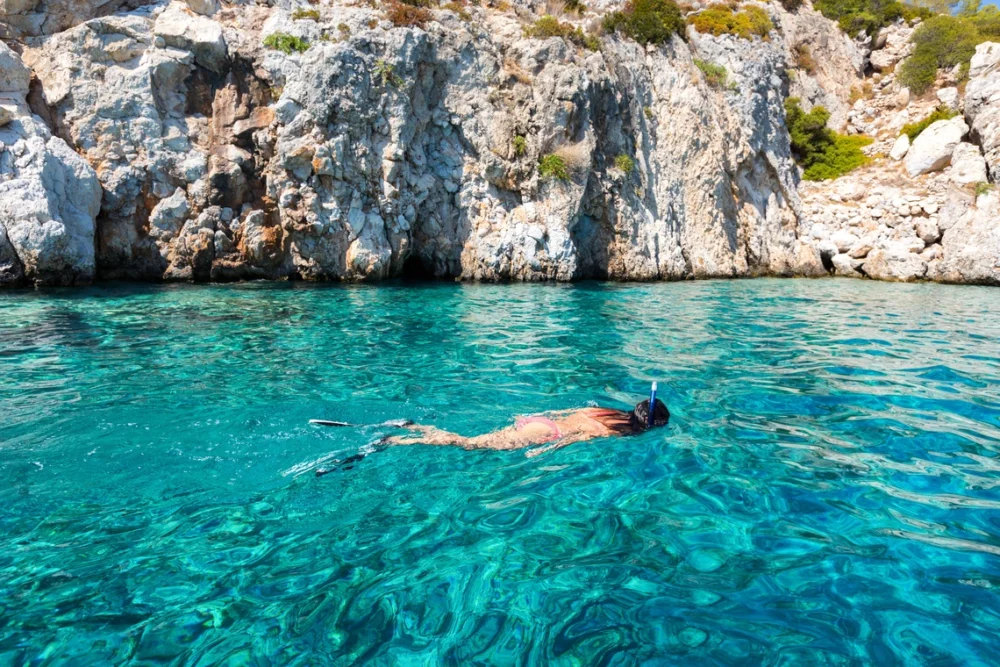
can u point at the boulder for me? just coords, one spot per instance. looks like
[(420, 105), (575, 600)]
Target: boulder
[(948, 96), (180, 28), (895, 264), (967, 164), (14, 75), (49, 195), (49, 199), (203, 7), (845, 265), (927, 231), (970, 249), (903, 97), (900, 147), (844, 240), (932, 150)]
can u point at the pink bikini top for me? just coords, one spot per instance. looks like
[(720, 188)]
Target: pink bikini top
[(524, 421)]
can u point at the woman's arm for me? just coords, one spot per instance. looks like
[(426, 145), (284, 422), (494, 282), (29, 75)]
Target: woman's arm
[(566, 440)]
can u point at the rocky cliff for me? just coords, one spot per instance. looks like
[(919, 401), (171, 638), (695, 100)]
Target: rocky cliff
[(164, 141)]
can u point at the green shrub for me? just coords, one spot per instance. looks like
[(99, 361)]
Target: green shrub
[(823, 153), (553, 166), (982, 187), (520, 146), (648, 111), (287, 44), (945, 41), (575, 6), (855, 16), (913, 130), (386, 73), (550, 26), (625, 163), (721, 19), (310, 14), (646, 21), (715, 75), (791, 5)]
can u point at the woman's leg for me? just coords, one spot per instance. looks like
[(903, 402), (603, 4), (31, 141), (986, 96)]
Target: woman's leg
[(430, 435)]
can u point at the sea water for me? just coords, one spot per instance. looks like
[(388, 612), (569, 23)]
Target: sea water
[(826, 491)]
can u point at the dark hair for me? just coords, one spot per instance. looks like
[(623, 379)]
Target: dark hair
[(640, 415)]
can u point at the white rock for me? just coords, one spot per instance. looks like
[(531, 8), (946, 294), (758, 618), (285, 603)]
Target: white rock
[(844, 240), (900, 147), (851, 190), (197, 34), (860, 250), (844, 265), (203, 7), (894, 264), (931, 252), (903, 97), (14, 75), (932, 150), (948, 96), (967, 164), (928, 231)]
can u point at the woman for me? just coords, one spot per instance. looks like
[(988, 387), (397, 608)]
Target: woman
[(552, 429)]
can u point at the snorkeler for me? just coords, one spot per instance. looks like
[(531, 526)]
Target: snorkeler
[(552, 429)]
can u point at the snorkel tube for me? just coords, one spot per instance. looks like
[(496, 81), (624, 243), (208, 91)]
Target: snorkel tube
[(652, 407)]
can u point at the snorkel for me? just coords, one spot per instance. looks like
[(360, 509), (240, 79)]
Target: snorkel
[(652, 407)]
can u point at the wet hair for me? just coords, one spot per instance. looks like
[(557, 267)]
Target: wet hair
[(631, 423), (640, 415)]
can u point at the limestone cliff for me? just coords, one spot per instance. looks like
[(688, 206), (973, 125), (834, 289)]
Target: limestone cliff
[(384, 149)]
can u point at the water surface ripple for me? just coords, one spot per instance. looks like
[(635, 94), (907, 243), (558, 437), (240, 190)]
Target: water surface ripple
[(826, 493)]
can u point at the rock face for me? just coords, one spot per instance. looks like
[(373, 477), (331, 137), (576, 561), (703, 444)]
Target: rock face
[(982, 102), (971, 247), (26, 18), (49, 195), (382, 148), (967, 164), (361, 150), (829, 63), (933, 148)]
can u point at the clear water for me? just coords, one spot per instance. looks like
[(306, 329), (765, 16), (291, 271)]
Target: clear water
[(827, 491)]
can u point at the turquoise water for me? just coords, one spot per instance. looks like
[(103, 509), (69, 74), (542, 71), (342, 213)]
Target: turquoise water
[(828, 490)]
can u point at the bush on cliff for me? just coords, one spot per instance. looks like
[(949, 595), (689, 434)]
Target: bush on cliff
[(715, 75), (823, 153), (868, 16), (946, 41), (913, 130), (287, 44), (553, 166), (647, 21), (721, 19), (404, 15), (550, 26)]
